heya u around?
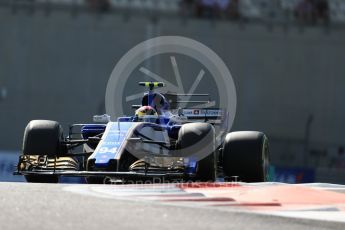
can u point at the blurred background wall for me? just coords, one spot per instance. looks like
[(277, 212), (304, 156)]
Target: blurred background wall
[(288, 66)]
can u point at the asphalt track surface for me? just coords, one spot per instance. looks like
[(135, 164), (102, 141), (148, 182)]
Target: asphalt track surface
[(52, 206)]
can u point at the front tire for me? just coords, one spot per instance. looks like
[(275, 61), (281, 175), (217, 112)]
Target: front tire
[(42, 138), (198, 139)]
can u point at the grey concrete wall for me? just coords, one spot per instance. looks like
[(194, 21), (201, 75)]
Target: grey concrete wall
[(57, 67)]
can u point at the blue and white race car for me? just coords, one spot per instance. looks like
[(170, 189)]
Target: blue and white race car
[(158, 143)]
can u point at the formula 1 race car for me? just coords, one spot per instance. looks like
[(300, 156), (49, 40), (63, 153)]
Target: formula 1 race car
[(158, 143)]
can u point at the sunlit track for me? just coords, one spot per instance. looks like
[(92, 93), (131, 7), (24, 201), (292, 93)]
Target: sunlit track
[(165, 206), (264, 198)]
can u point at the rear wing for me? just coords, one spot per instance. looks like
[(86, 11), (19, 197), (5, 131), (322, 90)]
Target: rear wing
[(175, 101), (210, 115)]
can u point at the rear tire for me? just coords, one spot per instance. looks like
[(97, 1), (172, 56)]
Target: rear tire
[(204, 135), (246, 155), (42, 138)]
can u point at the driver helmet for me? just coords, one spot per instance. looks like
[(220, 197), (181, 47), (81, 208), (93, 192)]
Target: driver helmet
[(144, 111), (156, 101)]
